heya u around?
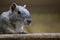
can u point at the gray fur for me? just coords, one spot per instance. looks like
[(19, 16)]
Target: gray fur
[(14, 21)]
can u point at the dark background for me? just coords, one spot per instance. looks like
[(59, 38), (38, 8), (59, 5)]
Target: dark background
[(45, 14), (33, 5)]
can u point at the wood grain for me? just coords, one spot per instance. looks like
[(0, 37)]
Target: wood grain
[(31, 35)]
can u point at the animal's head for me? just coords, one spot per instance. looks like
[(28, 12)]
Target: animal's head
[(21, 12)]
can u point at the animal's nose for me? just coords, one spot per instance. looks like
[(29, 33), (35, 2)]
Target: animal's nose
[(29, 21)]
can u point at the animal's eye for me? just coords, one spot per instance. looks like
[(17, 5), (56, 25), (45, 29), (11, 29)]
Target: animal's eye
[(19, 12)]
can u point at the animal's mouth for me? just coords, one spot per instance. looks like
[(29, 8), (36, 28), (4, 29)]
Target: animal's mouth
[(29, 22)]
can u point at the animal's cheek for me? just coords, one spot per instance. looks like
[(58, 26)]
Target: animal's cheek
[(25, 20)]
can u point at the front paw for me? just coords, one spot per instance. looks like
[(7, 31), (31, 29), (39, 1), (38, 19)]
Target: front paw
[(22, 33)]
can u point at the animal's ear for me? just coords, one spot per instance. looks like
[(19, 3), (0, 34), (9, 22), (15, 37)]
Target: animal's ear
[(24, 6), (13, 7)]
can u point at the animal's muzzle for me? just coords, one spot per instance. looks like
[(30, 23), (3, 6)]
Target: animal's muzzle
[(29, 21)]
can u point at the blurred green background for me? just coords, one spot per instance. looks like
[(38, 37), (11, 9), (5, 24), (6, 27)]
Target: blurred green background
[(45, 14)]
